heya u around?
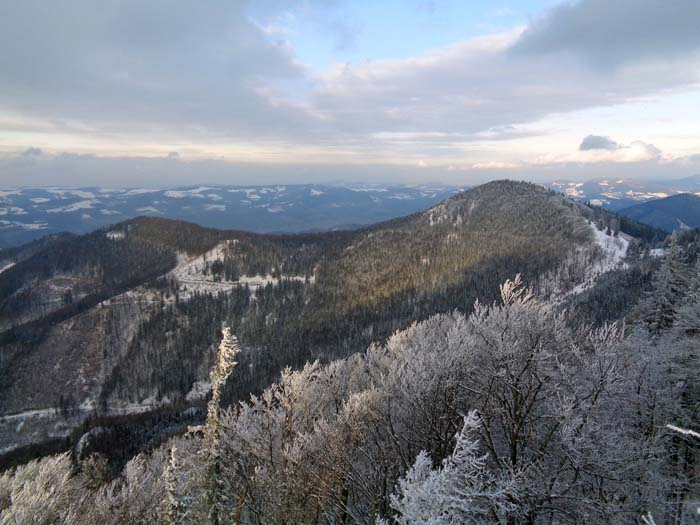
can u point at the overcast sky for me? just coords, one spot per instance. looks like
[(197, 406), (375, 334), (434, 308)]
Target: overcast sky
[(167, 91)]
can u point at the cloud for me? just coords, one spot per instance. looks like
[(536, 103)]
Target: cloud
[(614, 33), (603, 150), (492, 165), (153, 65), (31, 152), (152, 74), (597, 142), (478, 85)]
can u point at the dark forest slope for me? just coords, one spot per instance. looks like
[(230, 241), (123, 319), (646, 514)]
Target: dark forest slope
[(672, 213)]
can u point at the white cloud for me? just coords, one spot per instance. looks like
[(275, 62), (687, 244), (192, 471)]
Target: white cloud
[(205, 78), (133, 65), (636, 151), (611, 34), (593, 142), (494, 165)]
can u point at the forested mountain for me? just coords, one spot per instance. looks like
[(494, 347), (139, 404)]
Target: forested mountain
[(677, 212), (523, 406), (30, 213), (125, 317)]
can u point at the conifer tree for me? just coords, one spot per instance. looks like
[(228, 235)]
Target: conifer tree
[(216, 490), (175, 509), (669, 286), (689, 312)]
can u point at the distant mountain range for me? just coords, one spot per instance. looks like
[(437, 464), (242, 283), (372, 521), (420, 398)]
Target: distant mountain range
[(617, 194), (672, 213), (30, 213), (27, 214)]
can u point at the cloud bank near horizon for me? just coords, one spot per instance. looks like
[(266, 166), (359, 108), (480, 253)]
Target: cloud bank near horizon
[(133, 80)]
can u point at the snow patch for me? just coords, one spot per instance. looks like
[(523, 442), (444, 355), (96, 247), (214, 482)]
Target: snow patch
[(23, 225), (364, 190), (78, 193), (12, 210), (148, 209), (76, 206), (199, 390), (116, 235), (176, 194), (402, 197), (614, 250), (190, 273), (141, 191), (573, 190)]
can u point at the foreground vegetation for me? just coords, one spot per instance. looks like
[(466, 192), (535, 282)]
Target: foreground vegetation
[(511, 414)]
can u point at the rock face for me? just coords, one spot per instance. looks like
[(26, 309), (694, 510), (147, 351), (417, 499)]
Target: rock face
[(124, 320)]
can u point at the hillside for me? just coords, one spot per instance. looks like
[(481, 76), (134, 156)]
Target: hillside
[(123, 320), (672, 213)]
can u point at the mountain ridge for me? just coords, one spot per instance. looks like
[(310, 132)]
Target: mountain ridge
[(32, 212), (676, 212), (157, 299)]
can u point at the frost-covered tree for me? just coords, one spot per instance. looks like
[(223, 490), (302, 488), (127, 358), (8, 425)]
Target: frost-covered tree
[(216, 490), (461, 490), (175, 508), (570, 429), (669, 286), (40, 492)]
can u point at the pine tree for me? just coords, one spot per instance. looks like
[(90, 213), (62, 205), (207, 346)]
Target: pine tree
[(669, 286), (175, 509), (216, 486), (688, 319)]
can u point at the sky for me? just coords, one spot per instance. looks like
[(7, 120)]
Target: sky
[(126, 92)]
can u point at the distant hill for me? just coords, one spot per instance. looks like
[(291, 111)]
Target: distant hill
[(619, 193), (680, 211), (30, 213), (124, 318)]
